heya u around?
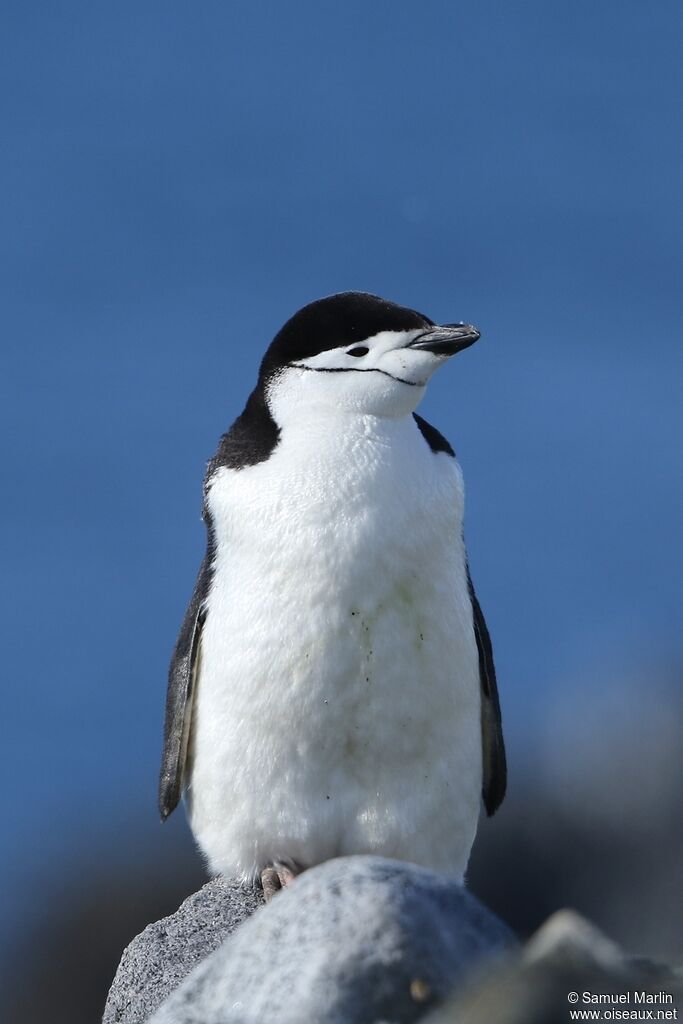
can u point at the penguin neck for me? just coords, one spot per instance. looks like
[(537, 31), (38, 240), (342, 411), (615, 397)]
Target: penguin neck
[(324, 422)]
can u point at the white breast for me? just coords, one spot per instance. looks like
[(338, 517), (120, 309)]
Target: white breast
[(337, 706)]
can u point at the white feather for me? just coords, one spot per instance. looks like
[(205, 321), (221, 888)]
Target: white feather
[(337, 707)]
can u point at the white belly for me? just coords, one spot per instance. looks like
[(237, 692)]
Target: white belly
[(337, 705)]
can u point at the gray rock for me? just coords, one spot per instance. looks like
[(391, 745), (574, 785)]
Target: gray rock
[(359, 939), (568, 955), (165, 952)]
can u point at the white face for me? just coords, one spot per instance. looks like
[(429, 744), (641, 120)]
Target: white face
[(380, 376)]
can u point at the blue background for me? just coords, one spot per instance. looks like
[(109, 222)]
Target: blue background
[(177, 179)]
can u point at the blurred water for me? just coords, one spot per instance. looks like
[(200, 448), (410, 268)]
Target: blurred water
[(176, 183)]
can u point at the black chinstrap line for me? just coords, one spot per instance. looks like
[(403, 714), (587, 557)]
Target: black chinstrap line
[(355, 369)]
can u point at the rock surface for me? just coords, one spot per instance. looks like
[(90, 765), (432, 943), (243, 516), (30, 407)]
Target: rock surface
[(565, 958), (163, 954), (363, 939), (359, 939)]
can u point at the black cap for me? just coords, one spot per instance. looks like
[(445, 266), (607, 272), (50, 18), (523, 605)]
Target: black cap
[(342, 319)]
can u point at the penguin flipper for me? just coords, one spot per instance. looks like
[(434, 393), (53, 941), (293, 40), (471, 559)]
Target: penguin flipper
[(493, 748), (492, 745), (181, 684)]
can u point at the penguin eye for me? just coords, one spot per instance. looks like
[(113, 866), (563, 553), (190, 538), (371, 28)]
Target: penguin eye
[(360, 350)]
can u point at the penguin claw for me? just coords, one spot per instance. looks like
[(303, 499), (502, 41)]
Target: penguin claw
[(275, 877)]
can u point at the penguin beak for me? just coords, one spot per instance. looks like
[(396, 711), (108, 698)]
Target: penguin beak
[(446, 340)]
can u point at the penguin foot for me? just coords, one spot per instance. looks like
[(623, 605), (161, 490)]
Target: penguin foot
[(276, 876)]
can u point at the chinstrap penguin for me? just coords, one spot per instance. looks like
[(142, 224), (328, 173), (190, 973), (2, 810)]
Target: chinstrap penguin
[(332, 689)]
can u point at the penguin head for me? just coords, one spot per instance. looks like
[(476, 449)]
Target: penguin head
[(358, 353)]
